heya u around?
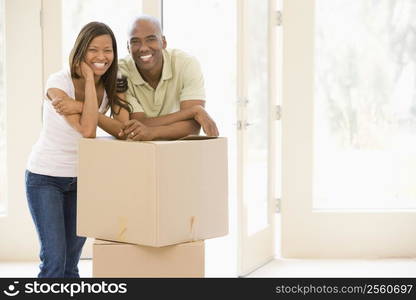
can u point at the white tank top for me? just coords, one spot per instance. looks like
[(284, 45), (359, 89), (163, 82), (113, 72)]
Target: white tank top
[(56, 151)]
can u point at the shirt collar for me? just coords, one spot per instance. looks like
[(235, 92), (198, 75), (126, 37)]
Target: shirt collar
[(167, 66)]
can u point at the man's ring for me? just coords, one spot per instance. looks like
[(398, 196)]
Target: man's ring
[(132, 133)]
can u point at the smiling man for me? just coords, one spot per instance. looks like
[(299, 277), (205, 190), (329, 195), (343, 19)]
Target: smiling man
[(165, 87)]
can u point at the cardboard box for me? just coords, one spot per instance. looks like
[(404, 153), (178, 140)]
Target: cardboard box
[(111, 259), (152, 193)]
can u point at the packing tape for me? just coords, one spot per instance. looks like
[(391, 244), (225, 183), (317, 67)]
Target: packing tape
[(122, 228), (193, 228)]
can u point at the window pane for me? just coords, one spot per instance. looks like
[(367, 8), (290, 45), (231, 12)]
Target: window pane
[(3, 162), (213, 43), (365, 104), (115, 13)]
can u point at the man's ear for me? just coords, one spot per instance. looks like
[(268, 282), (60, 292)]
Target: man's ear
[(128, 47), (164, 43)]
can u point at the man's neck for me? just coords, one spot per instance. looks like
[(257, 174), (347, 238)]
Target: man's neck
[(152, 77)]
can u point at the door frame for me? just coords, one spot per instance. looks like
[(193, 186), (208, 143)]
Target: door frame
[(257, 249)]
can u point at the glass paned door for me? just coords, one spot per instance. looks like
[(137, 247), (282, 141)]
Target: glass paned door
[(256, 133), (257, 125)]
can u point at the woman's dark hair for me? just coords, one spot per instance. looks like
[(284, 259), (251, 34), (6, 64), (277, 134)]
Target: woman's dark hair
[(109, 79)]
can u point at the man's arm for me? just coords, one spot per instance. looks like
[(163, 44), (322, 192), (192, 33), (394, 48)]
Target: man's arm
[(172, 126), (187, 112), (137, 131)]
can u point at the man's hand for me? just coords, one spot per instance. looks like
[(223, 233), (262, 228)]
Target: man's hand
[(137, 131), (67, 106), (122, 84), (206, 122)]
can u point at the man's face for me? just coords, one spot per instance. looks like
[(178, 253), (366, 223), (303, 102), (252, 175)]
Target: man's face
[(145, 46)]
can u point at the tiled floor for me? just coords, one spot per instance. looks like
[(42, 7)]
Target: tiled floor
[(277, 268)]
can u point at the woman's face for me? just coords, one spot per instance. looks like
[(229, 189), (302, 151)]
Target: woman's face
[(100, 55)]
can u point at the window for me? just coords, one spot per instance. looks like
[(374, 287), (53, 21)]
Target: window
[(213, 43), (365, 111)]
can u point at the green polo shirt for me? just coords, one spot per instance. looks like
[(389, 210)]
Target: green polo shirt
[(181, 80)]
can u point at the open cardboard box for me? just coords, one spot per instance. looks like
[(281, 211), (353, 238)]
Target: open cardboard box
[(153, 193)]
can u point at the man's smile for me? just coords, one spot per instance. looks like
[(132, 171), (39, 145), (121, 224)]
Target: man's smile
[(146, 58)]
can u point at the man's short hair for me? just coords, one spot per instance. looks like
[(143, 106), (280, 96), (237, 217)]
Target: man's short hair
[(146, 18)]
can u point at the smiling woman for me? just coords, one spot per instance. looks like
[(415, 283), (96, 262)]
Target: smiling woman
[(51, 175)]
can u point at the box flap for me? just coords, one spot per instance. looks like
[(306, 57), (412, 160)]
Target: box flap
[(185, 138), (103, 242), (108, 242), (196, 137)]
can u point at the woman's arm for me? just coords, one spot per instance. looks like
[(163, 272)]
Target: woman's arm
[(114, 125), (86, 123), (89, 116), (67, 106)]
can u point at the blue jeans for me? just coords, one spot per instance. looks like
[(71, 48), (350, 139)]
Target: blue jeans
[(53, 206)]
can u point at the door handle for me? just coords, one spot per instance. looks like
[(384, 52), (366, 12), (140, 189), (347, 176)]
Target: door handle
[(243, 124), (242, 101)]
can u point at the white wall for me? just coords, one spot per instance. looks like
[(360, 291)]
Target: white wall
[(24, 93)]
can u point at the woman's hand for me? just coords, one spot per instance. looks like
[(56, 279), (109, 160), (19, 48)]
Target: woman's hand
[(136, 131), (86, 71), (67, 106)]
